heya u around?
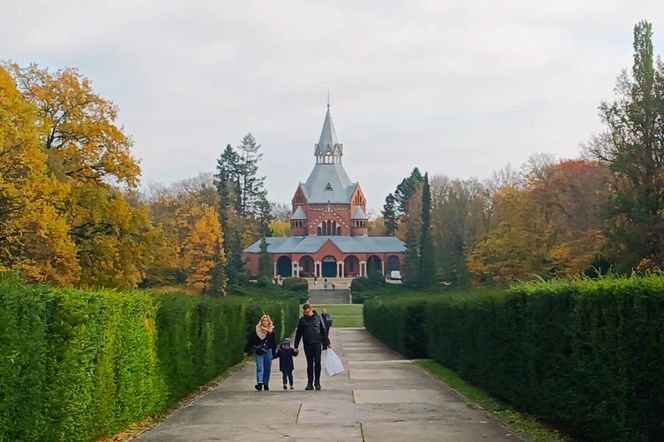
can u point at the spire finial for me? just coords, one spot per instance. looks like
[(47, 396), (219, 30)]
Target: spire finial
[(328, 98)]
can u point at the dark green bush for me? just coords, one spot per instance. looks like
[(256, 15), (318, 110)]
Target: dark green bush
[(264, 281), (80, 366), (585, 355), (296, 284), (358, 285)]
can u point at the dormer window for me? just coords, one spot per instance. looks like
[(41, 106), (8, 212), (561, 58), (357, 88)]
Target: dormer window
[(328, 187)]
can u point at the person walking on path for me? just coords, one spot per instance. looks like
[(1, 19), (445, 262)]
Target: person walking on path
[(312, 331), (286, 366), (327, 319), (263, 344)]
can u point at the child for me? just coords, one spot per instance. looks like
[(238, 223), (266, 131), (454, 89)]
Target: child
[(286, 354)]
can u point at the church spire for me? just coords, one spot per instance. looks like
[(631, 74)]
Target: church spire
[(328, 149)]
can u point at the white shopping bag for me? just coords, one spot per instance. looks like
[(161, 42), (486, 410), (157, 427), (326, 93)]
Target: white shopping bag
[(333, 365)]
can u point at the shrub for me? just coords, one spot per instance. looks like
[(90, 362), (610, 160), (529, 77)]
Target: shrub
[(82, 365), (296, 284), (263, 281), (585, 355), (359, 284)]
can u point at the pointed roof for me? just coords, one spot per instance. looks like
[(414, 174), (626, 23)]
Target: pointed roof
[(328, 141), (359, 214), (299, 214)]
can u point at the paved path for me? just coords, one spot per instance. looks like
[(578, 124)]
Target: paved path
[(381, 397)]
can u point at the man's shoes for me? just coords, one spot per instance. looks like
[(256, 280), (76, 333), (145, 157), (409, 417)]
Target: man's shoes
[(309, 387), (258, 387), (317, 386), (291, 387), (266, 387), (285, 387)]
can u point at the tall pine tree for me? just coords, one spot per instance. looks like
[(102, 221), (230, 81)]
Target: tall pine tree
[(633, 147), (427, 274)]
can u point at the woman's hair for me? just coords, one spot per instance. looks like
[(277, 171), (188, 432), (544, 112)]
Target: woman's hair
[(269, 320)]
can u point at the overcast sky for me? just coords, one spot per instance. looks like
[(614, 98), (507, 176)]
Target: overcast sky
[(456, 88)]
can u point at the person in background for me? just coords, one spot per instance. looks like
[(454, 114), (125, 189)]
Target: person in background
[(286, 366), (312, 331), (327, 319), (263, 344)]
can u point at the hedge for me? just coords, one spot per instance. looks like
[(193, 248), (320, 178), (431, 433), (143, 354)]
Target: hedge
[(83, 365), (587, 356)]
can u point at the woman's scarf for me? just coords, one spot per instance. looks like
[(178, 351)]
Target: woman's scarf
[(262, 332)]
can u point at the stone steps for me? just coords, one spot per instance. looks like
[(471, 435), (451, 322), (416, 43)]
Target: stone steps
[(322, 297)]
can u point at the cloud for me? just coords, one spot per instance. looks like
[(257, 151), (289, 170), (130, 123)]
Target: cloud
[(455, 88)]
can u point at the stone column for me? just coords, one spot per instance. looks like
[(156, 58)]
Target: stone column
[(363, 268), (275, 270), (382, 267), (317, 270), (343, 268)]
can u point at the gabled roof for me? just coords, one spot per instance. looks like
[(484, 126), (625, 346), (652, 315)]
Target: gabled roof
[(347, 244), (299, 214), (359, 214)]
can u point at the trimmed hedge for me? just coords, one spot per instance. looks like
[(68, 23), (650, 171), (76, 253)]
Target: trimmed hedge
[(585, 355), (80, 366)]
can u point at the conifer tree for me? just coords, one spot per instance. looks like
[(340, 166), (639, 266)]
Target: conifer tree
[(427, 274), (411, 277), (265, 265), (633, 148)]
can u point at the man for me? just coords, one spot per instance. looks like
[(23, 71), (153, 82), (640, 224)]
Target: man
[(312, 331)]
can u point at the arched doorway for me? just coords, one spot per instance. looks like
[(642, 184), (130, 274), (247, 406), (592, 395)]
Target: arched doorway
[(374, 263), (393, 263), (351, 266), (307, 267), (284, 267), (329, 267)]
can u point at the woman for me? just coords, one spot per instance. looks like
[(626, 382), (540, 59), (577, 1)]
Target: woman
[(263, 344)]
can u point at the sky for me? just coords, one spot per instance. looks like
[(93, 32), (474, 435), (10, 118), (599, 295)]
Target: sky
[(455, 88)]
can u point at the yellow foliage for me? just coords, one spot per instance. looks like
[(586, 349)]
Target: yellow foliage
[(203, 249), (280, 228), (33, 231)]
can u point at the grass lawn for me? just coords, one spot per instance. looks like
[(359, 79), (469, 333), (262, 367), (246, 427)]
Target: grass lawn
[(526, 425), (344, 315)]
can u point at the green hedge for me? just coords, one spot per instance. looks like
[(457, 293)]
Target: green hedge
[(585, 355), (79, 366)]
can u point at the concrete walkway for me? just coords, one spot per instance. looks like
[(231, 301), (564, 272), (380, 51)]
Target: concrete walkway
[(381, 397)]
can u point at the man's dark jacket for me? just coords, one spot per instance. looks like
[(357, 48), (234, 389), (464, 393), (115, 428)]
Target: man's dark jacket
[(312, 330)]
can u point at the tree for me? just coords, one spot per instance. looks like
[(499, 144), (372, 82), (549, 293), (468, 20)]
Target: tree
[(203, 248), (244, 210), (265, 265), (89, 153), (427, 273), (633, 149), (411, 276), (33, 228), (389, 215)]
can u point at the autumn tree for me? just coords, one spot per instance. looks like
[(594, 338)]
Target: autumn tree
[(89, 153), (33, 227), (632, 146), (203, 250)]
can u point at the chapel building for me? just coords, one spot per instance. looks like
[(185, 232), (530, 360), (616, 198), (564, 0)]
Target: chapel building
[(329, 225)]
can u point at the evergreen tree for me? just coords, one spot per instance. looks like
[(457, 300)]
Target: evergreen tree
[(634, 151), (411, 268), (389, 215), (265, 265), (244, 209), (427, 273)]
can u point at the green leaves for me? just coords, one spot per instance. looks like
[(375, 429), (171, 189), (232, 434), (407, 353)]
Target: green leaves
[(585, 354), (83, 365)]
